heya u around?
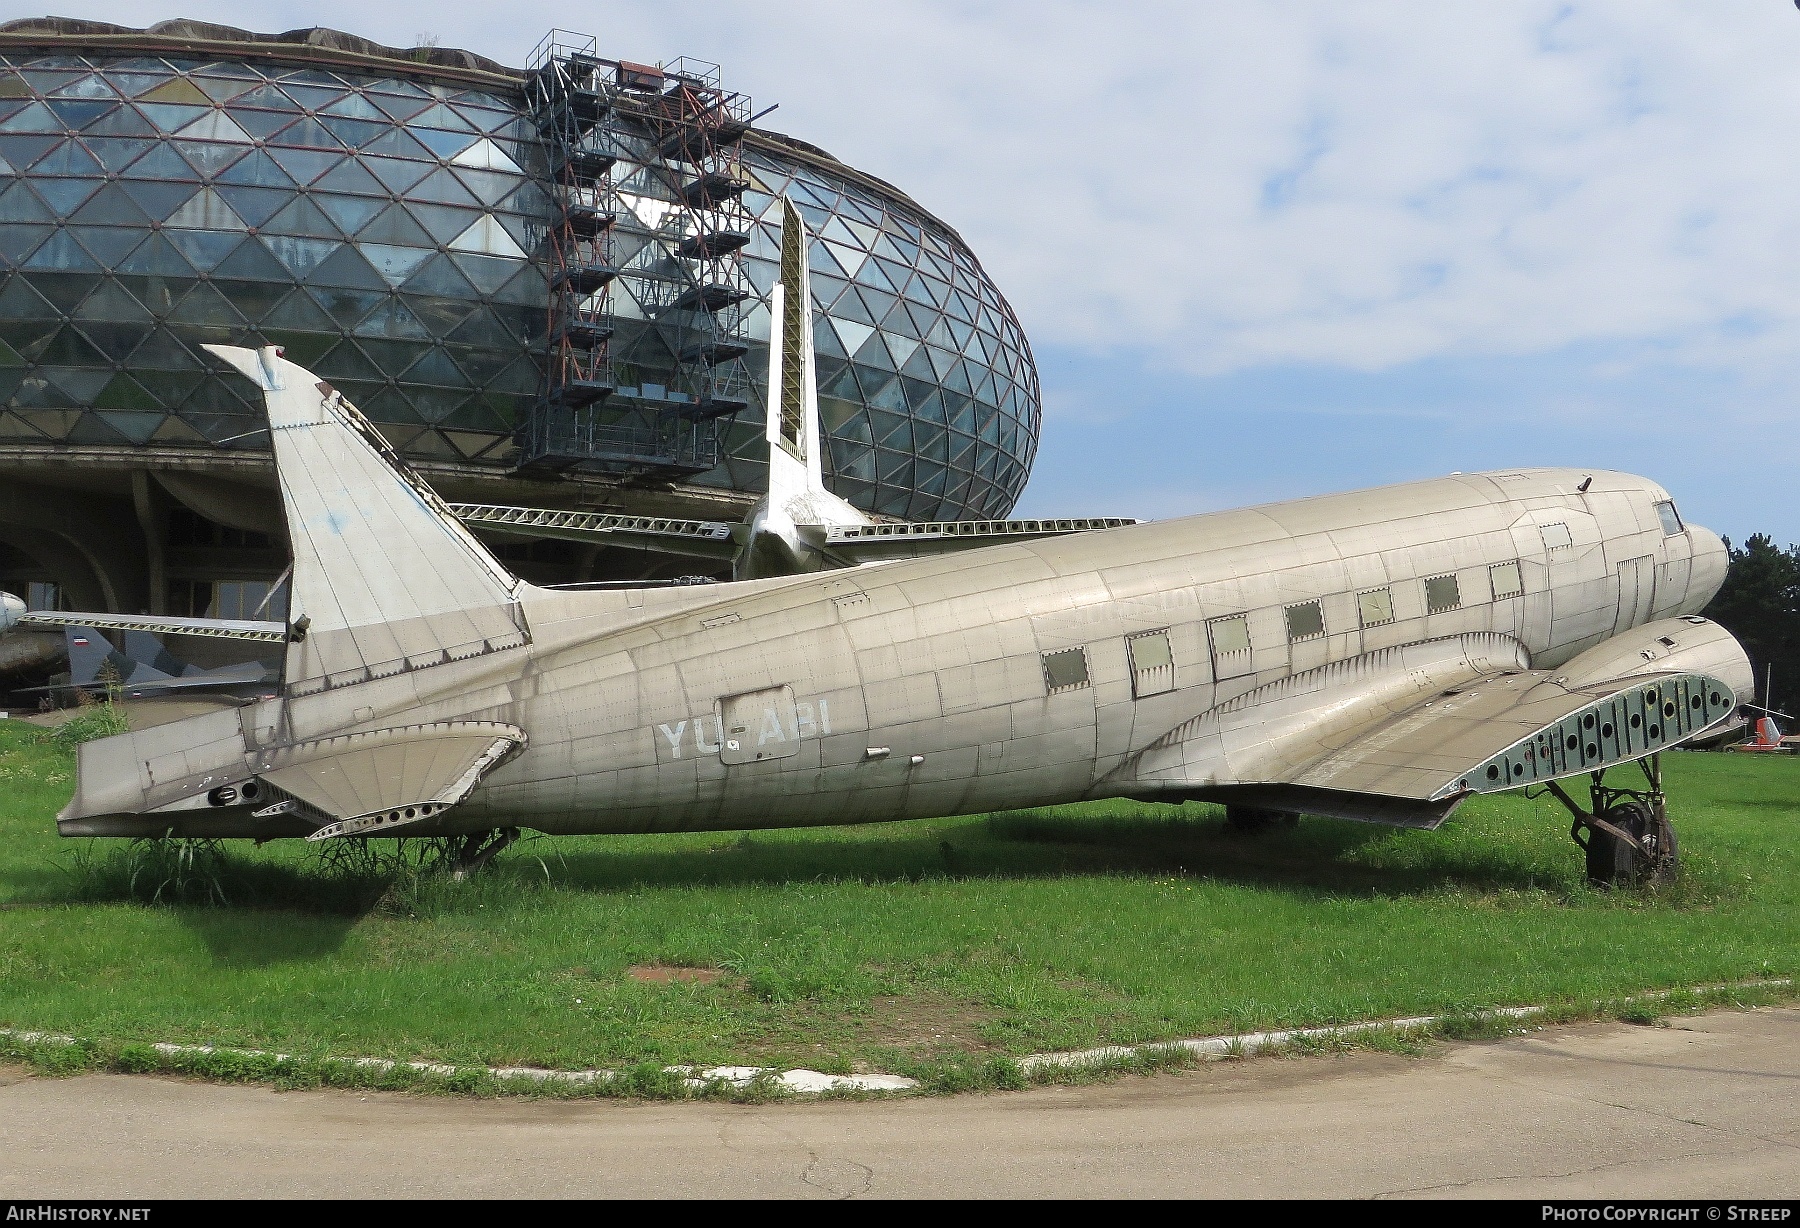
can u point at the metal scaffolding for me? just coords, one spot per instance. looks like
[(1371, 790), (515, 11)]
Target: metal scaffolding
[(645, 333)]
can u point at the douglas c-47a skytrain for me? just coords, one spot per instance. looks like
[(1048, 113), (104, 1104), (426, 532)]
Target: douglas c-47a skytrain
[(1381, 655)]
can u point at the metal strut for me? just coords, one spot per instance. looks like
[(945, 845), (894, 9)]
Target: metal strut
[(1625, 833), (471, 854)]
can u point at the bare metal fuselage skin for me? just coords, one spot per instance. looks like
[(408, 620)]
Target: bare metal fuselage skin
[(922, 688)]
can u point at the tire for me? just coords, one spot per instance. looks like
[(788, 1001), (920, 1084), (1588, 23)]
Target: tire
[(1611, 862)]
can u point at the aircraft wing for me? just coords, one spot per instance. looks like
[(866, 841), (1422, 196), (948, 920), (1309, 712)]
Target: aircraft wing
[(875, 543), (1405, 735), (210, 628), (706, 539)]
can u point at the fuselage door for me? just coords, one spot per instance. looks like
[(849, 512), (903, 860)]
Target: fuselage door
[(1637, 592), (759, 725)]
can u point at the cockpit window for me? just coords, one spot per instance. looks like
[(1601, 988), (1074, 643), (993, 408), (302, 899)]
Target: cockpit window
[(1671, 519)]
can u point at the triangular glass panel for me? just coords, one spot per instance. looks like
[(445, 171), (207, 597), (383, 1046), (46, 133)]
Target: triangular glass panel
[(171, 118), (482, 328), (395, 263), (488, 273), (13, 426), (156, 258), (304, 218), (440, 277), (173, 430), (221, 88), (312, 89), (62, 254), (262, 125), (398, 143), (305, 165), (19, 204), (69, 159), (310, 134), (393, 321), (442, 188), (298, 312), (115, 153), (354, 132), (163, 164), (351, 177), (203, 248), (266, 97), (354, 106), (441, 116), (79, 114), (163, 351), (436, 368), (484, 155), (20, 151), (91, 86), (350, 213), (489, 187), (255, 205), (211, 125), (110, 245), (392, 357), (176, 90), (206, 210), (123, 122), (17, 241), (347, 269), (488, 238), (346, 362), (301, 256), (69, 348), (344, 305), (204, 304), (157, 200), (35, 118), (257, 171), (252, 262), (396, 227), (397, 175), (444, 144)]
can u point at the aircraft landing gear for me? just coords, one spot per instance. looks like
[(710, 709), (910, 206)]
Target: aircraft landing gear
[(469, 853), (1626, 834)]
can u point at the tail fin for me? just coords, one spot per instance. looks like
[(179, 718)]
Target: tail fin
[(796, 471), (385, 577)]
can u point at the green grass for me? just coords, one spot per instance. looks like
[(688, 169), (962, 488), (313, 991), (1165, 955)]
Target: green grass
[(931, 948)]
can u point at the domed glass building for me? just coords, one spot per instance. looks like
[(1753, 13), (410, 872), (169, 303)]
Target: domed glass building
[(383, 215)]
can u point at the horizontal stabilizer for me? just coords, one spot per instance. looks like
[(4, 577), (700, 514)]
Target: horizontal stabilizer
[(158, 624), (382, 779), (706, 539)]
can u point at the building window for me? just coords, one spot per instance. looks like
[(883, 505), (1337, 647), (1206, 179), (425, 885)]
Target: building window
[(43, 595), (1375, 608), (1441, 593), (1556, 536), (1671, 519), (1305, 621), (1506, 580), (1152, 663), (1065, 670), (232, 599), (1230, 639)]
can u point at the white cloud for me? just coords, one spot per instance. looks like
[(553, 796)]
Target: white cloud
[(1228, 186)]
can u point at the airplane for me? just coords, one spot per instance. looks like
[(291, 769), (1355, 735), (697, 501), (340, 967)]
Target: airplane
[(1381, 655), (799, 525)]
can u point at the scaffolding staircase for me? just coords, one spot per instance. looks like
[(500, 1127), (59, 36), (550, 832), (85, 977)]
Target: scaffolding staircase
[(639, 387)]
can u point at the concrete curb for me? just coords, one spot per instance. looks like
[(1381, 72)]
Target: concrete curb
[(813, 1082)]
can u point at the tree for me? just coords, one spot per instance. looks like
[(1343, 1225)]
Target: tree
[(1760, 604)]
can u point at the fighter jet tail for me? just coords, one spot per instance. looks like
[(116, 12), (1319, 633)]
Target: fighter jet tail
[(385, 577)]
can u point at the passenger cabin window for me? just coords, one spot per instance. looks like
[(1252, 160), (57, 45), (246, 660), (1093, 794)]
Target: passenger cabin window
[(1065, 670), (1441, 593), (1671, 519), (1230, 639), (1152, 663), (1375, 608), (1506, 580), (1305, 621), (1556, 536)]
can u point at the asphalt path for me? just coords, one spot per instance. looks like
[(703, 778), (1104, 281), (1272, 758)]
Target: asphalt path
[(1707, 1107)]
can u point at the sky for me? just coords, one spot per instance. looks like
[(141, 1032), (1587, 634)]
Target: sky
[(1271, 248)]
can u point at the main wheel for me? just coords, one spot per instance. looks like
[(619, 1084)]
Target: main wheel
[(1611, 862)]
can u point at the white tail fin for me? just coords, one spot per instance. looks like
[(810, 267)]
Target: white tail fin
[(796, 470), (385, 577)]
